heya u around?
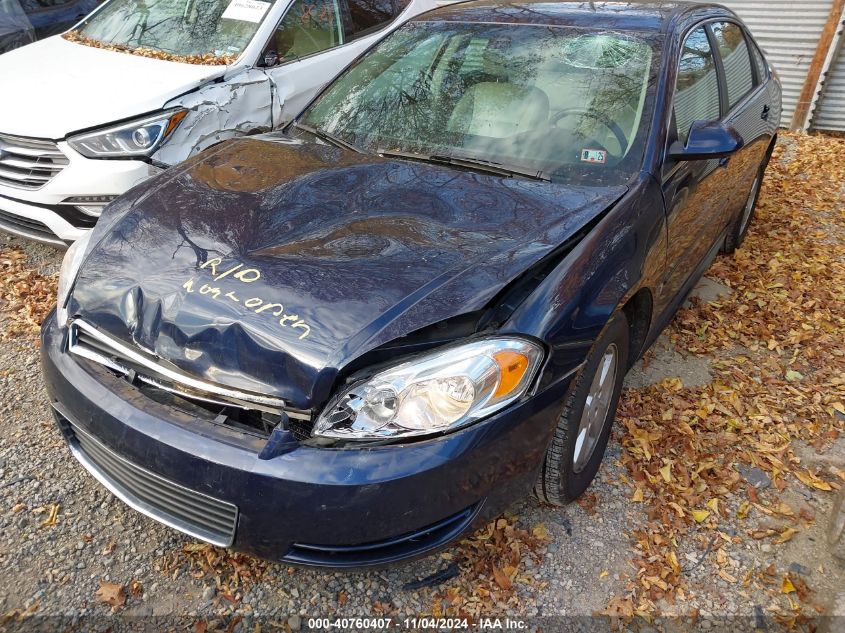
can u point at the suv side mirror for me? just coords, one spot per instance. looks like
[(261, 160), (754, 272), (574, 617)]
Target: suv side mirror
[(706, 141), (269, 59)]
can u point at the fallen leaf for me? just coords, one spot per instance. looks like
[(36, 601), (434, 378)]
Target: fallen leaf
[(700, 515), (541, 532), (793, 375), (53, 517), (812, 481), (786, 585), (785, 535), (501, 579), (112, 594), (136, 589)]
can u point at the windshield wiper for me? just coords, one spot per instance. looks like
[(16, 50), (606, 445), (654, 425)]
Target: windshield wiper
[(328, 138), (480, 164)]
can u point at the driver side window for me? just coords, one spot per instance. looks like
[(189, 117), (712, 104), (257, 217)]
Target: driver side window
[(309, 26), (697, 87)]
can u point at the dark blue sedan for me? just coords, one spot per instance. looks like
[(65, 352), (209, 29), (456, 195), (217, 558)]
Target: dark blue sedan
[(346, 343), (24, 21)]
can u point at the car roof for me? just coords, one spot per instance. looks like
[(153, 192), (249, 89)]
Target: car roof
[(646, 15)]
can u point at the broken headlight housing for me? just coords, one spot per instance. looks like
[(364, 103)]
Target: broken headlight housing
[(68, 272), (434, 393), (137, 138)]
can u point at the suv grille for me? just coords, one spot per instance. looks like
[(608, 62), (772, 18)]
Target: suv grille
[(181, 508), (28, 163)]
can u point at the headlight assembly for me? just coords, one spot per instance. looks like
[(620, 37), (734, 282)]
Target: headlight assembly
[(136, 138), (67, 274), (437, 392)]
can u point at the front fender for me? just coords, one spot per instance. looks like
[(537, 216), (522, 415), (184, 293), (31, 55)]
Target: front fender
[(624, 253), (238, 105)]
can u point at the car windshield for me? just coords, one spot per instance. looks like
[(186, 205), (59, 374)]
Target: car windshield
[(193, 31), (566, 104)]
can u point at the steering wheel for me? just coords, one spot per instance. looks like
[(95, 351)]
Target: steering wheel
[(602, 118)]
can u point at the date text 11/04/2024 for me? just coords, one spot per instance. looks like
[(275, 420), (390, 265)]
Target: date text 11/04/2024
[(415, 623)]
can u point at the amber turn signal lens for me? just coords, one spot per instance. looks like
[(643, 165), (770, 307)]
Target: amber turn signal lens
[(175, 120), (512, 368)]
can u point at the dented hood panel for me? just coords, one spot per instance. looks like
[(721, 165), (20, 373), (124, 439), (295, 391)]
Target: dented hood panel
[(61, 87), (269, 265)]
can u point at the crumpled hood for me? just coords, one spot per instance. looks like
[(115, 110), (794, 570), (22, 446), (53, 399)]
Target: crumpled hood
[(269, 265), (54, 87)]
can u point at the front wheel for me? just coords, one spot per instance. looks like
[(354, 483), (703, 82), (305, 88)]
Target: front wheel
[(583, 429)]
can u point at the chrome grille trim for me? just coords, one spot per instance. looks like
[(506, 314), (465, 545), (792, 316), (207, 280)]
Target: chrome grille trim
[(110, 352), (28, 163), (178, 507)]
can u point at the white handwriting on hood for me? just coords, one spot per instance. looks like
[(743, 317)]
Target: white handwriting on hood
[(253, 304)]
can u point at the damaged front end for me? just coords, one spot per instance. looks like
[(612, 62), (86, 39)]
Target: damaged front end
[(258, 321)]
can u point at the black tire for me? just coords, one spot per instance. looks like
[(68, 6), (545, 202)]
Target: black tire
[(559, 482), (742, 222)]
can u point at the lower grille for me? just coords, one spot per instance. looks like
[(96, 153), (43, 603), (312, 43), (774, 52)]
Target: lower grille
[(186, 510), (384, 552), (28, 228), (29, 163)]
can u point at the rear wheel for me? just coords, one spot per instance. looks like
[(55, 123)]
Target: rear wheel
[(739, 229), (583, 428)]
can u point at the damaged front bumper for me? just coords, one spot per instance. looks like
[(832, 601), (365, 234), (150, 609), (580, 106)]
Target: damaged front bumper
[(313, 506)]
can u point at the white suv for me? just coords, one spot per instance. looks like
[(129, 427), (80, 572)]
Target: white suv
[(139, 86)]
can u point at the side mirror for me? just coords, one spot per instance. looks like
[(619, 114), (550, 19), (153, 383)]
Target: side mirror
[(269, 59), (706, 141)]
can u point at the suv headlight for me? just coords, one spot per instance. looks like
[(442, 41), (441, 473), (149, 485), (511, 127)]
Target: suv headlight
[(438, 392), (67, 274), (136, 138)]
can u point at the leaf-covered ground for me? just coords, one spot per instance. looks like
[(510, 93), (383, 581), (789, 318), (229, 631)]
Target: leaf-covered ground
[(777, 349), (717, 478)]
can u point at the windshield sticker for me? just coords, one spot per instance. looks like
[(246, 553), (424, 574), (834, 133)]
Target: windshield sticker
[(246, 10), (237, 272), (596, 156)]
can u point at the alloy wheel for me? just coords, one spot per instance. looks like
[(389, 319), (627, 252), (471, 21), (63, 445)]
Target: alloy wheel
[(596, 408)]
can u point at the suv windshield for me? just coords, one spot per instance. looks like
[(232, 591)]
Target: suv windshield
[(566, 104), (192, 31)]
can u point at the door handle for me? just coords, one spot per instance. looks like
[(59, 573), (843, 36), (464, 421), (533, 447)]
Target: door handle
[(765, 114)]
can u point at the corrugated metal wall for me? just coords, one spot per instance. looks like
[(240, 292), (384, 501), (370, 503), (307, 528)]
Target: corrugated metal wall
[(789, 32), (830, 112)]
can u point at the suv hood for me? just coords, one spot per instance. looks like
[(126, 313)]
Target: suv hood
[(55, 87), (268, 266)]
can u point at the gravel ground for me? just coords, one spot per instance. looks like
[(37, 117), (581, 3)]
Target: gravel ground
[(56, 570)]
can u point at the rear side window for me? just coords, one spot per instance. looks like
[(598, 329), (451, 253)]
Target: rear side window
[(697, 88), (759, 62), (368, 16), (736, 60), (309, 26)]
